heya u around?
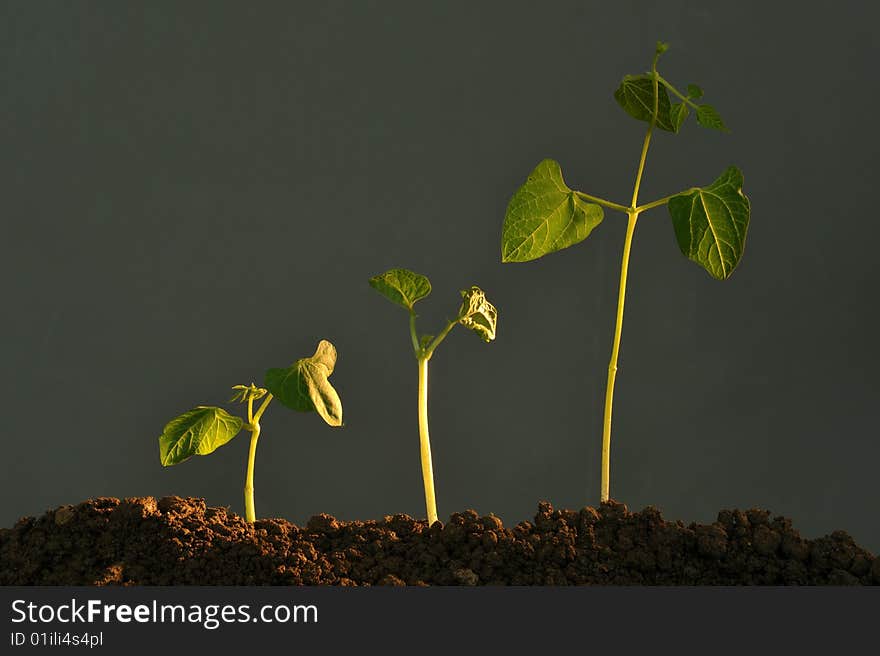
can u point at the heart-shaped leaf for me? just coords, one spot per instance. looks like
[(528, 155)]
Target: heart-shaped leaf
[(694, 92), (636, 95), (711, 222), (478, 314), (402, 286), (304, 385), (708, 117), (196, 433), (544, 216)]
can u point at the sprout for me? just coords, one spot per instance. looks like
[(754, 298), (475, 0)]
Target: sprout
[(303, 386), (405, 288)]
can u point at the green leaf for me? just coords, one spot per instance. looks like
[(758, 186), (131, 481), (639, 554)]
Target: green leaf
[(402, 286), (694, 92), (478, 314), (303, 386), (678, 114), (636, 95), (196, 433), (544, 216), (708, 117), (711, 222)]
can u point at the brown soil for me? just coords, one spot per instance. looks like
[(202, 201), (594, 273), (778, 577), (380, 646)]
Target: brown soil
[(176, 541)]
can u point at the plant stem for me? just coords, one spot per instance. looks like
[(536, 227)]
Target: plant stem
[(633, 213), (635, 197), (425, 442), (253, 425), (612, 366), (249, 512)]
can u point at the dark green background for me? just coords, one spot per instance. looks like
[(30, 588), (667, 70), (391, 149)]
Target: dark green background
[(195, 192)]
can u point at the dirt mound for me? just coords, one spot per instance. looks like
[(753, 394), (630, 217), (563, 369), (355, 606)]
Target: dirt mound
[(175, 541)]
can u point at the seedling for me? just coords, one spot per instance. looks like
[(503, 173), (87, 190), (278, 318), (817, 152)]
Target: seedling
[(303, 386), (406, 288), (710, 223)]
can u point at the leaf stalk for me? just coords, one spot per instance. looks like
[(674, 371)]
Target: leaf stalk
[(429, 351), (603, 202), (663, 201), (413, 334), (685, 99)]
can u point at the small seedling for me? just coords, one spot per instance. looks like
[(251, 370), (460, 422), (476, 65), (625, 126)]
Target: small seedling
[(406, 288), (710, 223), (303, 386)]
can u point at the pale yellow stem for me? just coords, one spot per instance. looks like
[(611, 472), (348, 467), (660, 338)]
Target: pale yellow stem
[(612, 366), (250, 513), (425, 443)]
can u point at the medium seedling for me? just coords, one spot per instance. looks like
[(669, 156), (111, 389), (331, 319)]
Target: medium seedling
[(405, 288), (303, 386), (710, 223)]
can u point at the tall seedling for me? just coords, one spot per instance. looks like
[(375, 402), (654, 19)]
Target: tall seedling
[(710, 223)]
